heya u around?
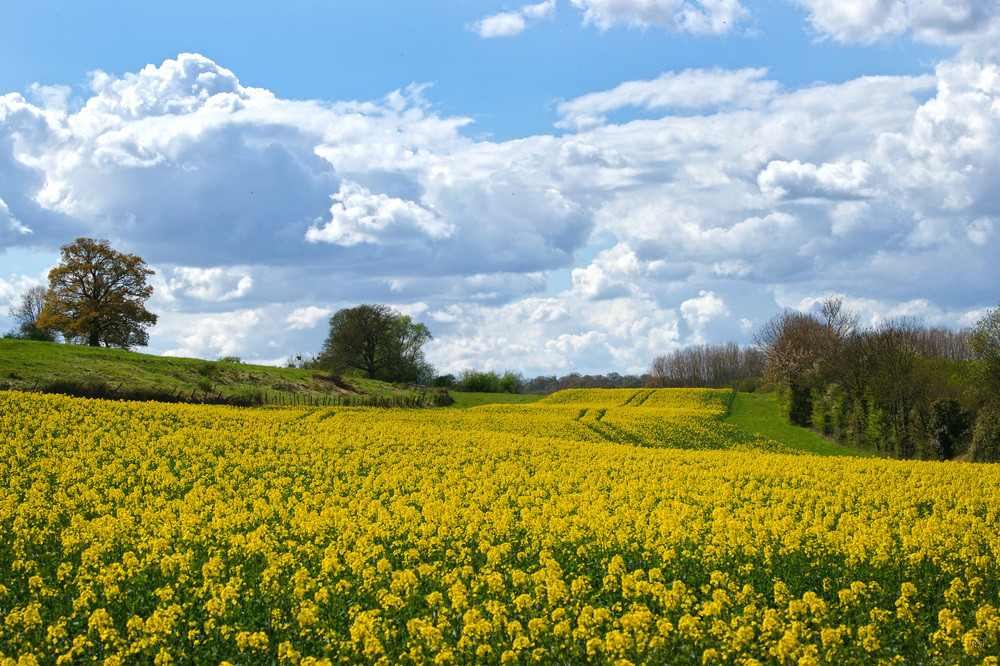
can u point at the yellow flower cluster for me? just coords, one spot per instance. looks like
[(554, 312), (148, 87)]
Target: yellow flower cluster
[(609, 527)]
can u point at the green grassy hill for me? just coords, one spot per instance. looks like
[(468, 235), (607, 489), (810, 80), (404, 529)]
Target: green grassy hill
[(758, 412), (29, 366)]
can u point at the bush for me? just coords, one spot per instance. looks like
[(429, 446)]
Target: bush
[(472, 381), (747, 385), (511, 382), (986, 436), (207, 368), (444, 381)]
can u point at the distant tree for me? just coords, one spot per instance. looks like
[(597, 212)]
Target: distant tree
[(511, 382), (474, 381), (97, 295), (379, 342), (26, 314), (796, 348)]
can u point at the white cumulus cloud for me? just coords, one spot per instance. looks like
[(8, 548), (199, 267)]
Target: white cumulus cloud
[(512, 23), (973, 24), (618, 240), (704, 308), (307, 317), (360, 216), (796, 180), (694, 16)]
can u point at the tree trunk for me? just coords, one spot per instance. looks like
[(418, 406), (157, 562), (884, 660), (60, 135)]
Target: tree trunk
[(95, 339)]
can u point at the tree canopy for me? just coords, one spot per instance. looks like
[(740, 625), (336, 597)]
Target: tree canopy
[(379, 342), (97, 295), (985, 345)]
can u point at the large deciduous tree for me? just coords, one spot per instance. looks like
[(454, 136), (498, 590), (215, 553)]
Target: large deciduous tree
[(97, 295), (377, 341)]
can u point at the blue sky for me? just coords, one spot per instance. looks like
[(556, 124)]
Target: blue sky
[(551, 186)]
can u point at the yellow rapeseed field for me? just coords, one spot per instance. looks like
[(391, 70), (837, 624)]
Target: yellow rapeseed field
[(613, 527)]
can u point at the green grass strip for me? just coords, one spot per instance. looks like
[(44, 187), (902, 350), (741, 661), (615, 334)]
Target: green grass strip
[(759, 413), (466, 400)]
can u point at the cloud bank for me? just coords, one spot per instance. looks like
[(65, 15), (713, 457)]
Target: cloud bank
[(591, 250)]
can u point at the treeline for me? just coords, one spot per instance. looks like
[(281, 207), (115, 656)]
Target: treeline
[(546, 384), (724, 365), (514, 382), (897, 388)]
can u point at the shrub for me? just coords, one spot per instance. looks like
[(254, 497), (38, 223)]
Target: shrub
[(511, 382), (207, 368), (479, 382), (444, 381), (747, 384)]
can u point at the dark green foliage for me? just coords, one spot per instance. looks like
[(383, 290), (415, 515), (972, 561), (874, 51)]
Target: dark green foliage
[(479, 382), (473, 381), (444, 381), (986, 436), (873, 389), (946, 425), (378, 342), (800, 406), (511, 382)]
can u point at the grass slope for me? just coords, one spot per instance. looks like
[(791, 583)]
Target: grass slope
[(25, 364), (758, 412)]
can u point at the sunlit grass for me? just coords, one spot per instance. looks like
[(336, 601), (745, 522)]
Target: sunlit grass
[(759, 413)]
